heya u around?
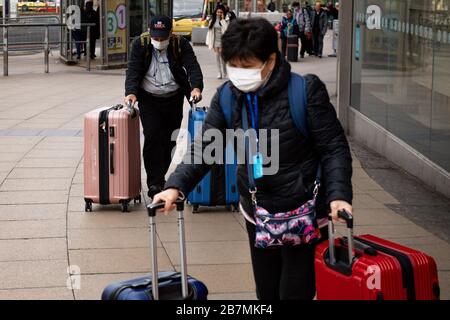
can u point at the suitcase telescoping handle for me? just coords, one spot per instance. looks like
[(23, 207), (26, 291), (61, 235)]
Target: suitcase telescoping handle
[(152, 209), (349, 221)]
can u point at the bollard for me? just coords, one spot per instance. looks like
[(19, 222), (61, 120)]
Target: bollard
[(5, 51), (88, 48), (46, 50)]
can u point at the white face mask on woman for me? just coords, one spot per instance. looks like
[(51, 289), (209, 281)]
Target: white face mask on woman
[(160, 45), (247, 80)]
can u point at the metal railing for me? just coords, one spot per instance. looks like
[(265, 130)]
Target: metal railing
[(46, 43)]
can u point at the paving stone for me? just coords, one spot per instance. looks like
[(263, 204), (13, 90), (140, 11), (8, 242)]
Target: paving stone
[(366, 184), (33, 249), (218, 253), (32, 229), (35, 185), (107, 220), (364, 201), (109, 238), (233, 277), (37, 294), (48, 163), (7, 166), (54, 154), (33, 212), (130, 260), (31, 197), (41, 173), (33, 274), (11, 156), (232, 231), (374, 217)]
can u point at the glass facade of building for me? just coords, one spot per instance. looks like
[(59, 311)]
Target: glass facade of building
[(401, 71)]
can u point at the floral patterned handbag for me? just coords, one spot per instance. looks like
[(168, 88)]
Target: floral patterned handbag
[(287, 228)]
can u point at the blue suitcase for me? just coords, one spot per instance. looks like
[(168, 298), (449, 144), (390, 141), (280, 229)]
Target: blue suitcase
[(160, 285), (219, 186)]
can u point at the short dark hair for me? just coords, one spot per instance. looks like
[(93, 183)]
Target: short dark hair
[(249, 38)]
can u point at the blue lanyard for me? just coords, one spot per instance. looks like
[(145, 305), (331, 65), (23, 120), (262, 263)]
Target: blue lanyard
[(254, 111), (254, 114)]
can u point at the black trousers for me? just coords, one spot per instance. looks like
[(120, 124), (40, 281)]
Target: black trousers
[(285, 273), (160, 117), (306, 44), (318, 43), (92, 41)]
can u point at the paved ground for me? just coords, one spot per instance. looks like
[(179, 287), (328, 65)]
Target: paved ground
[(43, 229)]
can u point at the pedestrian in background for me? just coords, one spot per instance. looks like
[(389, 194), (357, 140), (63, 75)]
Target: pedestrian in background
[(217, 27), (92, 17), (79, 35), (289, 26), (319, 24), (162, 71), (304, 24), (230, 16), (332, 13), (271, 6)]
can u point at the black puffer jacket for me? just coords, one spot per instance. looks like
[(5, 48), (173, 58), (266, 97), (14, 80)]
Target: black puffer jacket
[(299, 157)]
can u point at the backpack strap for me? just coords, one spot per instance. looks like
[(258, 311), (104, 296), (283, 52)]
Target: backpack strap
[(176, 47), (226, 101), (298, 102), (145, 39)]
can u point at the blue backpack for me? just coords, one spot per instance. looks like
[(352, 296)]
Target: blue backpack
[(297, 103)]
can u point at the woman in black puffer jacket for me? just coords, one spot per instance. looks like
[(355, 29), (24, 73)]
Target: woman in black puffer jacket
[(284, 272)]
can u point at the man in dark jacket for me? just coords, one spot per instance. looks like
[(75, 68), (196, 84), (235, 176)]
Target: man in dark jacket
[(162, 71), (284, 272), (319, 22), (92, 17)]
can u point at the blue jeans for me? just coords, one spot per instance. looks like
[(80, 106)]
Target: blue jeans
[(78, 37)]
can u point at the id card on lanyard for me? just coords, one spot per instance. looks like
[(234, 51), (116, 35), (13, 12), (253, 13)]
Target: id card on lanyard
[(258, 172)]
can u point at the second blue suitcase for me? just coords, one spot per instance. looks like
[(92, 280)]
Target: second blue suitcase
[(219, 186)]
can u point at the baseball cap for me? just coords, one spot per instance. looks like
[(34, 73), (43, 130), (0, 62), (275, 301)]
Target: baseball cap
[(160, 26)]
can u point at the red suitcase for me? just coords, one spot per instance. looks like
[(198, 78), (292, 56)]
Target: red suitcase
[(112, 159), (379, 269)]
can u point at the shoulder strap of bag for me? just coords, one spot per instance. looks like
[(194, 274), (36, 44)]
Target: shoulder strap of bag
[(226, 100), (298, 102)]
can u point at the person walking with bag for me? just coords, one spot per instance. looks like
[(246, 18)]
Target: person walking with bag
[(217, 28), (304, 24), (319, 22), (315, 165), (289, 26), (162, 71)]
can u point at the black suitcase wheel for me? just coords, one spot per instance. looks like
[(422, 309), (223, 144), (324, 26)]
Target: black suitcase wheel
[(138, 199), (88, 206), (124, 207), (195, 208), (235, 207)]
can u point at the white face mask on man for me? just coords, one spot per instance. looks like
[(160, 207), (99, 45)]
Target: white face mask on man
[(160, 45), (247, 80)]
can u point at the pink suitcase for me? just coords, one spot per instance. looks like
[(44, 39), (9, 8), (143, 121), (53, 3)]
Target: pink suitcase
[(112, 159)]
